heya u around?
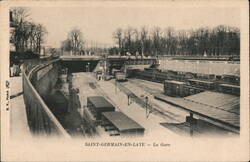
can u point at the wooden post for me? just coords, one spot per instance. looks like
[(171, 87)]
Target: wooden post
[(192, 121)]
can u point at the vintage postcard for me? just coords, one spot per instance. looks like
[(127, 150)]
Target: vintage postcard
[(124, 80)]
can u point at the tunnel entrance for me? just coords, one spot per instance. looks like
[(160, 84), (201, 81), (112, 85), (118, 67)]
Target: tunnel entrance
[(80, 66)]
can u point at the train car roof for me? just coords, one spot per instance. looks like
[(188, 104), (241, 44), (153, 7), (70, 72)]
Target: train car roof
[(200, 81), (230, 85), (121, 121), (99, 101), (174, 81)]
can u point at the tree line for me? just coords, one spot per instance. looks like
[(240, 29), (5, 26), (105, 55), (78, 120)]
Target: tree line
[(26, 36), (220, 40)]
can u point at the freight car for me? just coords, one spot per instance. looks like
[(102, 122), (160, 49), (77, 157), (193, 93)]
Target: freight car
[(161, 76), (120, 76), (229, 89), (208, 85), (225, 83), (174, 88)]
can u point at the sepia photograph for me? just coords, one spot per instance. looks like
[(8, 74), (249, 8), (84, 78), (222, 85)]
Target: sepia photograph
[(127, 76)]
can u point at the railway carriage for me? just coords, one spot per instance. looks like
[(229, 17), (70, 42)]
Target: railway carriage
[(229, 89), (208, 85)]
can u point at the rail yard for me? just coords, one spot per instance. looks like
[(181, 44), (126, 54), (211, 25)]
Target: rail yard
[(138, 98), (132, 97)]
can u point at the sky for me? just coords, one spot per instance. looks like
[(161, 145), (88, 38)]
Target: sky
[(98, 23)]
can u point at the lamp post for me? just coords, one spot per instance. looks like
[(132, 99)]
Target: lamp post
[(88, 67), (115, 86), (146, 98)]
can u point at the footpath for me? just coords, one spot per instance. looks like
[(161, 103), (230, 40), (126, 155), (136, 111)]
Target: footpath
[(19, 128)]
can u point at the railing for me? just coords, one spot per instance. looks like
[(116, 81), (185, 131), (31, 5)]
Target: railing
[(200, 57), (40, 119), (79, 57)]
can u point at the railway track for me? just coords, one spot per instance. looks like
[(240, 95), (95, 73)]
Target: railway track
[(152, 92), (153, 107), (150, 106), (134, 88)]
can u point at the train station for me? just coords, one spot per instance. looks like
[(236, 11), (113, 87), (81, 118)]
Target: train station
[(124, 81), (112, 97), (148, 82)]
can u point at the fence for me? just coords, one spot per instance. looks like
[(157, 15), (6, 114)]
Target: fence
[(40, 119)]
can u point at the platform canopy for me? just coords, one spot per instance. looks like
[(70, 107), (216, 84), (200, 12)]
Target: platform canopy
[(99, 102), (121, 121), (220, 107)]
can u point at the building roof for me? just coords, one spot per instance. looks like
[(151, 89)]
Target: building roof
[(121, 121), (215, 107), (222, 101), (201, 128), (99, 102)]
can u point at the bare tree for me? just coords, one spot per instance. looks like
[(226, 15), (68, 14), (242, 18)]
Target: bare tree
[(40, 31), (27, 36), (19, 14), (117, 35), (143, 36), (156, 36), (75, 38), (182, 42), (128, 33), (221, 40)]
